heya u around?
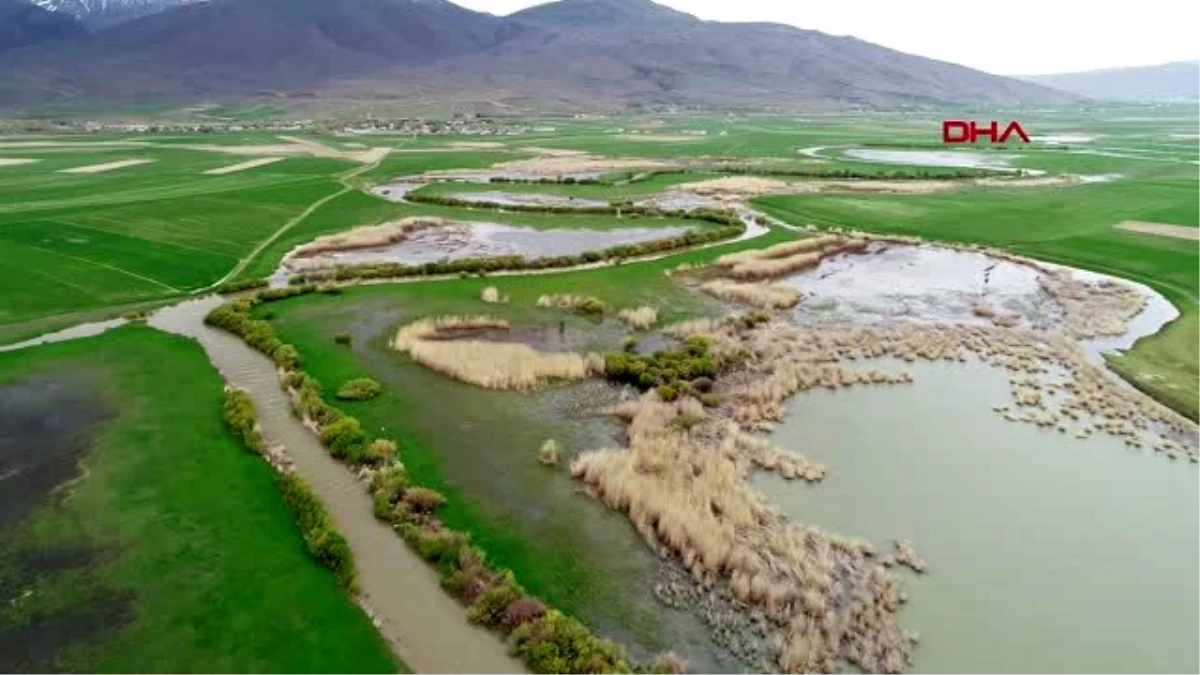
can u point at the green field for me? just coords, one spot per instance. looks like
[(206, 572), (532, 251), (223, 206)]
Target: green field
[(172, 550)]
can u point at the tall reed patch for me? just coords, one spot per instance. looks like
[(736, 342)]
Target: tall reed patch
[(786, 258), (492, 365), (639, 318), (767, 296), (491, 295), (366, 236), (573, 303)]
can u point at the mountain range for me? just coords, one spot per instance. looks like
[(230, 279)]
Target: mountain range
[(565, 55), (1175, 81)]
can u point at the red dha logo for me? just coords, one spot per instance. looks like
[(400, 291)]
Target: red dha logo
[(964, 131)]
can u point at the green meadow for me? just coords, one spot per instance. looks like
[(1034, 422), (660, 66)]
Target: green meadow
[(169, 549)]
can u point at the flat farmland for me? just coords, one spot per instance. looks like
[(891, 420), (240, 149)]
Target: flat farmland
[(78, 241)]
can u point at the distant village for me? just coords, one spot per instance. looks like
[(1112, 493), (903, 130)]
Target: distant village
[(459, 125)]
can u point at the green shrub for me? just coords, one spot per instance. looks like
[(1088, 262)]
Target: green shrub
[(286, 356), (342, 339), (390, 482), (522, 611), (442, 548), (243, 285), (381, 451), (423, 500), (323, 543), (331, 550), (345, 440), (241, 420), (359, 389), (488, 608), (670, 371), (556, 643)]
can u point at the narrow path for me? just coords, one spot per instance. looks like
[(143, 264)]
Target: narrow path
[(426, 628), (343, 178)]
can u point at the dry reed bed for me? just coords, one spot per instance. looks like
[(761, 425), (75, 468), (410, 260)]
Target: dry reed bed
[(492, 365), (639, 318), (572, 303), (766, 296), (685, 489), (1093, 309), (365, 236), (787, 258)]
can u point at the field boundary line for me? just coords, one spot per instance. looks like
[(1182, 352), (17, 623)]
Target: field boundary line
[(101, 230), (106, 266)]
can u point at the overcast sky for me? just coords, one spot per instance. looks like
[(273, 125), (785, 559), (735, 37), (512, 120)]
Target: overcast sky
[(1025, 37)]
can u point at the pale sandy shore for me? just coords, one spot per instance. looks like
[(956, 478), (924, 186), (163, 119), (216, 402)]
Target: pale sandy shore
[(243, 166), (109, 166)]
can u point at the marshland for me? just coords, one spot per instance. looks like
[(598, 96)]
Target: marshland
[(728, 409)]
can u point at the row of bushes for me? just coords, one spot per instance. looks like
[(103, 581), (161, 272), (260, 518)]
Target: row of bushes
[(547, 180), (243, 285), (546, 640), (322, 541), (240, 418), (470, 266), (456, 201)]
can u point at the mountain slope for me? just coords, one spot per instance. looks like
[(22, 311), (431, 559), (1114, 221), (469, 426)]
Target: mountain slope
[(237, 48), (1177, 81), (670, 57), (566, 55), (97, 14), (23, 24)]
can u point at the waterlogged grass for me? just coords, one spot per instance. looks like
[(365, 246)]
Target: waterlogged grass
[(480, 448), (175, 549), (1072, 226)]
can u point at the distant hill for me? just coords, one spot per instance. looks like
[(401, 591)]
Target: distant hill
[(97, 14), (23, 24), (571, 54), (1176, 81)]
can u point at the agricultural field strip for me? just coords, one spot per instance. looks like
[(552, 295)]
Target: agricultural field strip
[(196, 188), (125, 234), (95, 263), (165, 231), (4, 260)]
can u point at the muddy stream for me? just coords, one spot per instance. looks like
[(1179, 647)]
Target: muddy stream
[(426, 627)]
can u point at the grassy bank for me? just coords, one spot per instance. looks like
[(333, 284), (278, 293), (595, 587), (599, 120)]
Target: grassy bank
[(179, 524)]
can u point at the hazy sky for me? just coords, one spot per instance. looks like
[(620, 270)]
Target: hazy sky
[(1026, 37)]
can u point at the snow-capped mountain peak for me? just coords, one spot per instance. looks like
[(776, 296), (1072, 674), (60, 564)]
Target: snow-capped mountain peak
[(96, 14)]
